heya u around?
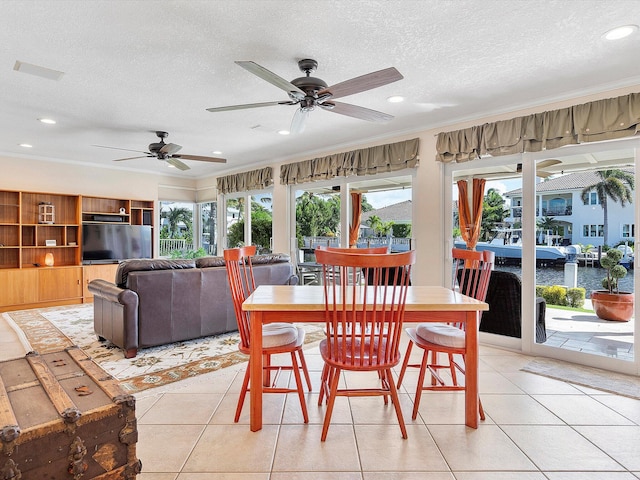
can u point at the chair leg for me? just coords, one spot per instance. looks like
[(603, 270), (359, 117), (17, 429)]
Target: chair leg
[(266, 371), (396, 403), (333, 388), (323, 379), (384, 381), (303, 365), (405, 363), (423, 370), (480, 408), (296, 374), (243, 392), (452, 368)]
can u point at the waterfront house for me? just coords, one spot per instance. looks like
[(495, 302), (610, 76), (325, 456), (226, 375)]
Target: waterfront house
[(577, 222)]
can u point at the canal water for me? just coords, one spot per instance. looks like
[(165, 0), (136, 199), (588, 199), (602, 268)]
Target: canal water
[(589, 278)]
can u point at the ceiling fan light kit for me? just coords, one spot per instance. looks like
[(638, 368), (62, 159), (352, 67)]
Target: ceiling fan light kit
[(308, 92)]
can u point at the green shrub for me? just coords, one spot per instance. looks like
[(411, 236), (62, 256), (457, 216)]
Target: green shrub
[(555, 295), (401, 230), (201, 252), (540, 290), (576, 296)]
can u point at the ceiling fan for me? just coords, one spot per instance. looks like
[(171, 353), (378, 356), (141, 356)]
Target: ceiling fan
[(540, 166), (166, 152), (510, 172), (309, 92)]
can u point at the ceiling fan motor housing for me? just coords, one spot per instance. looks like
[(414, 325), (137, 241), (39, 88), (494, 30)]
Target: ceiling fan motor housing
[(310, 86), (155, 147)]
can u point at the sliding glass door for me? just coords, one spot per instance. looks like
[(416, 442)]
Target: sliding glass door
[(550, 219)]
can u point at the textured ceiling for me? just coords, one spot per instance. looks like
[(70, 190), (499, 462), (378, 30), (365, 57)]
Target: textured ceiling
[(133, 67)]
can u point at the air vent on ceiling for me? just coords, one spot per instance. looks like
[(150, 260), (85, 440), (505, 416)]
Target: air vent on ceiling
[(37, 70)]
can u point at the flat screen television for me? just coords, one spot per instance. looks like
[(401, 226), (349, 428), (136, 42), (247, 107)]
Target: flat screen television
[(110, 243)]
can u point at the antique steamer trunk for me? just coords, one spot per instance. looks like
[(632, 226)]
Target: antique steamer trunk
[(63, 417)]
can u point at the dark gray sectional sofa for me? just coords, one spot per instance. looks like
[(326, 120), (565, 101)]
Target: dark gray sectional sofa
[(155, 301)]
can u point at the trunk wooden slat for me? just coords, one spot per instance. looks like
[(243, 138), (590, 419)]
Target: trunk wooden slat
[(63, 417)]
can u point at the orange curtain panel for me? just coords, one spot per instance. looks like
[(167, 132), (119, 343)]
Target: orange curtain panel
[(356, 214), (470, 220)]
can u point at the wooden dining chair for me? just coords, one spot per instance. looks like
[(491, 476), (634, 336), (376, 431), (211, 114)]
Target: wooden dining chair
[(277, 337), (355, 277), (363, 323), (470, 276)]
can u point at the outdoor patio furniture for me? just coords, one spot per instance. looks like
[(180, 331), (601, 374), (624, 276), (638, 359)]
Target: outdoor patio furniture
[(504, 316)]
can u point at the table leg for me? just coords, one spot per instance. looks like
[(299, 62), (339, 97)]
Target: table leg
[(255, 385), (471, 370)]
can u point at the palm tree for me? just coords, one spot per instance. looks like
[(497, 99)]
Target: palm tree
[(176, 215), (615, 184)]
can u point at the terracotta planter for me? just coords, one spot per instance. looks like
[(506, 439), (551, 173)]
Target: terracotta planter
[(613, 306)]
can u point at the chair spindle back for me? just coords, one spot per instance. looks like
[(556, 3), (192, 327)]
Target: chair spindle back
[(242, 284)]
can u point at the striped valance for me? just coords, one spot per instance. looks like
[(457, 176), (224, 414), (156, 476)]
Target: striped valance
[(365, 161), (606, 119), (243, 182)]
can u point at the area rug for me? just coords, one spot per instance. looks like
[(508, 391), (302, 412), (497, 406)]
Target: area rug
[(611, 382), (53, 329)]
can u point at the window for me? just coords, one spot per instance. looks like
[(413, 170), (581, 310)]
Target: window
[(208, 234), (629, 230), (593, 230), (176, 228), (593, 199), (252, 226)]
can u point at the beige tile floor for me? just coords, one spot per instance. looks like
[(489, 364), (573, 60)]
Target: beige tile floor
[(536, 428)]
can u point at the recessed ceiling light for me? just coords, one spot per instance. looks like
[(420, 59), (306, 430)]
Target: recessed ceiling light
[(217, 152), (284, 132), (620, 32), (48, 121), (26, 145), (395, 99)]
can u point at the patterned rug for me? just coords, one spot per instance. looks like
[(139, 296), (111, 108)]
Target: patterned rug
[(53, 329)]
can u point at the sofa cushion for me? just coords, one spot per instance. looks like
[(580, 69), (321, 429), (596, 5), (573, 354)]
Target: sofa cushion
[(207, 262), (270, 258), (147, 264)]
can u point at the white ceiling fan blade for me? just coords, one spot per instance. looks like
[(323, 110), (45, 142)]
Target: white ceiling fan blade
[(364, 83), (116, 148), (132, 158), (356, 111), (177, 163), (170, 148), (247, 105), (548, 163), (299, 121), (201, 158), (272, 78)]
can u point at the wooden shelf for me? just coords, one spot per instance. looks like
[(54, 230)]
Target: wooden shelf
[(23, 244)]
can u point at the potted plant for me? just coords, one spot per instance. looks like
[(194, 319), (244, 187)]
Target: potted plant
[(610, 303)]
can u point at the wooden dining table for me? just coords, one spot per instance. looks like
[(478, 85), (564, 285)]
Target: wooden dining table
[(306, 304)]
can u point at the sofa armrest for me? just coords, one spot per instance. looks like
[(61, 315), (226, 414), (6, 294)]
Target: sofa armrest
[(111, 292), (115, 315), (293, 280)]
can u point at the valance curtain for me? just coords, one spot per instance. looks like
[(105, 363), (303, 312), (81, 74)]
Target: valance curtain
[(242, 182), (606, 119), (366, 161), (356, 215), (470, 220)]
